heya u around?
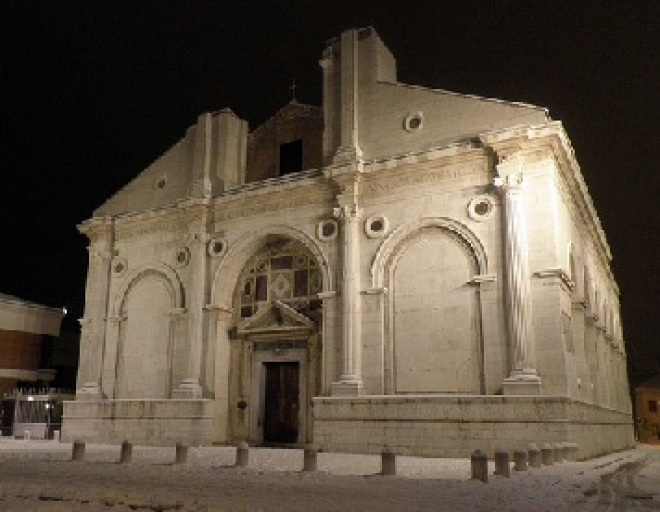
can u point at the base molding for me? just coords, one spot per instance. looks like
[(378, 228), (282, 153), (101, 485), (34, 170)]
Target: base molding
[(145, 422), (456, 425)]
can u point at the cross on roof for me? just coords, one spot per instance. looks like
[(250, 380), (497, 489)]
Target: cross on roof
[(293, 89)]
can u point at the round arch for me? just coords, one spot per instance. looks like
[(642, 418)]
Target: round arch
[(398, 237), (231, 265), (170, 276)]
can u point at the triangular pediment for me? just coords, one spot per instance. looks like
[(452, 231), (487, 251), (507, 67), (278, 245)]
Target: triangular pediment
[(277, 317)]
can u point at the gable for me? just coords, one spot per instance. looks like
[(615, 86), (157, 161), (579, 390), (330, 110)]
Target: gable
[(277, 318)]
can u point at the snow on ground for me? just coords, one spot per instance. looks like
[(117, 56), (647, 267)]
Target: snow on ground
[(40, 476)]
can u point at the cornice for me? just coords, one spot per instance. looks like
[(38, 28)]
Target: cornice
[(552, 136)]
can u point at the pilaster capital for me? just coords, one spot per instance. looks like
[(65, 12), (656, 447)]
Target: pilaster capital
[(375, 291), (178, 312), (347, 212), (221, 313), (509, 183), (100, 254)]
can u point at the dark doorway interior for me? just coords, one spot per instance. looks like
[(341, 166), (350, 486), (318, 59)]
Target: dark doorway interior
[(281, 407)]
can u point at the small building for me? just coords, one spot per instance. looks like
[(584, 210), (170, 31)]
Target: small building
[(401, 266), (25, 328), (647, 410)]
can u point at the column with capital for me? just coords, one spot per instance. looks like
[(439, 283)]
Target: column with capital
[(523, 377), (92, 342), (190, 386), (348, 211)]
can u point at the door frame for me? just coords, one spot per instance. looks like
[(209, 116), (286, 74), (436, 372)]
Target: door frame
[(258, 389)]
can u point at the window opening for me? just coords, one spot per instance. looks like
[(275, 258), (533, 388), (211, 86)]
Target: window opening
[(283, 272), (291, 157)]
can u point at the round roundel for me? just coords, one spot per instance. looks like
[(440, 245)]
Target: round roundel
[(119, 266), (181, 257), (160, 183), (327, 229), (481, 208), (217, 247), (413, 122), (376, 226)]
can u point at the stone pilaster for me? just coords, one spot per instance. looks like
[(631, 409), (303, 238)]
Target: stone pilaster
[(523, 377), (349, 149), (329, 134), (348, 211), (331, 331), (92, 342), (222, 318), (109, 376), (190, 386)]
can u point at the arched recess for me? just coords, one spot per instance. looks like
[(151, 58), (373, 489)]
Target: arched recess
[(228, 271), (399, 235), (434, 341), (144, 305)]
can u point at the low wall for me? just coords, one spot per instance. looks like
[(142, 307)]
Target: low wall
[(145, 422), (454, 426)]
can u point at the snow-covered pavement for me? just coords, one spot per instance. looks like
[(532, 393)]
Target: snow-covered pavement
[(39, 475)]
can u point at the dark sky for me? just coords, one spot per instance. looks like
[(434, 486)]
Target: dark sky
[(94, 90)]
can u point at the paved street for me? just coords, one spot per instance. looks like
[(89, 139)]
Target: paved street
[(39, 475)]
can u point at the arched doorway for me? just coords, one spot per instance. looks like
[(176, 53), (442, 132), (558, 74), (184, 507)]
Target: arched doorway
[(275, 362)]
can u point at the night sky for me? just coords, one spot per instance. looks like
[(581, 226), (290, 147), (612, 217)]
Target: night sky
[(93, 91)]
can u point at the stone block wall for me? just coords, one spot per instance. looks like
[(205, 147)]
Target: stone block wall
[(144, 422), (454, 426)]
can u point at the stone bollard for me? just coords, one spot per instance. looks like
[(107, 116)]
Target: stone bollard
[(56, 435), (242, 454), (479, 463), (520, 460), (26, 435), (572, 451), (560, 452), (181, 453), (388, 462), (309, 458), (502, 467), (78, 451), (547, 454), (126, 454), (534, 454)]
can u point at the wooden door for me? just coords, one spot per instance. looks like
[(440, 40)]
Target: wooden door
[(281, 402)]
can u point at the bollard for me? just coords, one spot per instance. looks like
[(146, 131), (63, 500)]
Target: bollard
[(56, 435), (309, 458), (547, 454), (78, 451), (502, 467), (520, 460), (26, 435), (534, 454), (572, 450), (560, 452), (388, 462), (479, 463), (126, 454), (181, 453), (242, 454)]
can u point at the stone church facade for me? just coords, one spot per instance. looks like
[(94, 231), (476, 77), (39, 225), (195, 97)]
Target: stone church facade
[(402, 267)]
